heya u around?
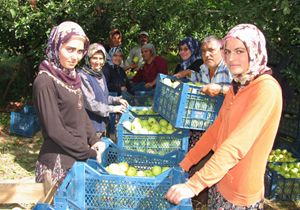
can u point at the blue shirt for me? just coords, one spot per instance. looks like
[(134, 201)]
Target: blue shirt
[(222, 75)]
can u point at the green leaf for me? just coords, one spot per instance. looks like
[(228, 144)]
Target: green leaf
[(12, 12)]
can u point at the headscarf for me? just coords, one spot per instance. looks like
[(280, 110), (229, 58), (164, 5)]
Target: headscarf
[(150, 47), (195, 49), (59, 35), (93, 48), (111, 53), (112, 33), (255, 44)]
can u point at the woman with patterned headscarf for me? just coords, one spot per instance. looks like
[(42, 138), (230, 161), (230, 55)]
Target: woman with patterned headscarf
[(190, 54), (97, 101), (243, 134), (115, 75), (67, 131)]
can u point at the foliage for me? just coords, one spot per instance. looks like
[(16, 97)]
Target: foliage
[(26, 24)]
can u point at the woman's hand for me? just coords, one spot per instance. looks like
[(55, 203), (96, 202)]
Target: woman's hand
[(184, 73), (123, 89), (123, 102), (178, 192), (99, 147), (119, 109)]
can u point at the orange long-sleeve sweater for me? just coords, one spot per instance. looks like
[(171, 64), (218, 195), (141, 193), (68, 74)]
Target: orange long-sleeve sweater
[(241, 138)]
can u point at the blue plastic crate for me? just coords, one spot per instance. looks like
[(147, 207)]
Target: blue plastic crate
[(140, 160), (278, 187), (24, 123), (185, 106), (85, 188), (150, 143)]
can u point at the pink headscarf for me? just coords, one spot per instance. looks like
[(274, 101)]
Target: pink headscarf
[(255, 44)]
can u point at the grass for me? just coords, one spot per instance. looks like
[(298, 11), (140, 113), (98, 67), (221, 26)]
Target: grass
[(18, 156)]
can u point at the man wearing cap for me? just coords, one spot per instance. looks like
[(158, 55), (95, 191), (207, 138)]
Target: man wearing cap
[(135, 59), (145, 78)]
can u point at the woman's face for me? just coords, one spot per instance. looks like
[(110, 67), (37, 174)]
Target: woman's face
[(185, 52), (236, 56), (97, 61), (116, 40), (117, 58), (71, 52)]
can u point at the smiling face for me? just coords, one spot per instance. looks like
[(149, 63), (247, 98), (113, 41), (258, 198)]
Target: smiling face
[(236, 56), (211, 54), (185, 52), (117, 58), (71, 52), (97, 61)]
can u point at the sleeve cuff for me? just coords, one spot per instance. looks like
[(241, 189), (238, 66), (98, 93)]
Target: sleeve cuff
[(186, 164), (196, 184)]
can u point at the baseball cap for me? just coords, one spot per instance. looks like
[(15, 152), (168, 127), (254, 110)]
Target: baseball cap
[(143, 33)]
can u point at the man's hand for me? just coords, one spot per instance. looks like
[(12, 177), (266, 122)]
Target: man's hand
[(212, 89), (149, 85), (123, 102), (178, 192)]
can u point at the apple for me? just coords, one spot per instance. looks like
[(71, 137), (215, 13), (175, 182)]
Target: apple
[(163, 122), (135, 59), (156, 170), (131, 171), (140, 173), (152, 120), (148, 173), (123, 166)]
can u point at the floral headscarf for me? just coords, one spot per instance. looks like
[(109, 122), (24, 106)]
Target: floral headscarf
[(59, 35), (111, 53), (255, 44), (93, 48), (194, 47)]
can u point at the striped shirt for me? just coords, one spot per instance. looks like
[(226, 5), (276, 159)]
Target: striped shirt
[(222, 75)]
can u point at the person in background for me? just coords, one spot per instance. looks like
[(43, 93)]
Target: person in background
[(243, 134), (67, 131), (145, 77), (114, 40), (190, 54), (115, 75), (97, 101), (135, 59)]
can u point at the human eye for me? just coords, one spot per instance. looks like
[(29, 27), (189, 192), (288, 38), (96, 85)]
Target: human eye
[(80, 52), (226, 52), (240, 51), (70, 49)]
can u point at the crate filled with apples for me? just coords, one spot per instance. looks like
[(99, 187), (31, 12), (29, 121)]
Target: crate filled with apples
[(86, 188), (183, 104), (282, 177), (150, 134)]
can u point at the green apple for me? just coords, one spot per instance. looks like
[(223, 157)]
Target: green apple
[(123, 166), (152, 120), (156, 170), (163, 122), (148, 173), (140, 173), (155, 128), (135, 59), (131, 171)]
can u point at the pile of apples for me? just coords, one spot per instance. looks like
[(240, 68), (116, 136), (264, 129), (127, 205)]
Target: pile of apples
[(124, 169), (287, 170), (144, 111), (281, 155), (149, 126)]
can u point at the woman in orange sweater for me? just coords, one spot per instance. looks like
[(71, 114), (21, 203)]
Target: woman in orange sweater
[(243, 134)]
